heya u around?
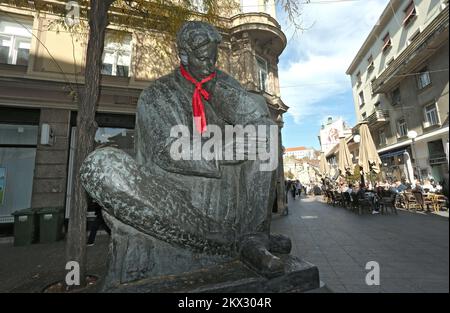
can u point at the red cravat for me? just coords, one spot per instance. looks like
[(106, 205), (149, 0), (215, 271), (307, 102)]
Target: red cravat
[(197, 103)]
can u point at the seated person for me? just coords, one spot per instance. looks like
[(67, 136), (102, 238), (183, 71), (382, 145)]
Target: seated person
[(428, 186)]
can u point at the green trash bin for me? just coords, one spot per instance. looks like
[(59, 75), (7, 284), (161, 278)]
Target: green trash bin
[(51, 221), (25, 227)]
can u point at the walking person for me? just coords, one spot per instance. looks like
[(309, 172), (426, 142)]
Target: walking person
[(96, 224), (293, 189)]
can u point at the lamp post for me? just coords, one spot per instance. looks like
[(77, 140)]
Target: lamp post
[(357, 139), (413, 135)]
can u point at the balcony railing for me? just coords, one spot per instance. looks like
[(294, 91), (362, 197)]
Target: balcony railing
[(437, 159), (378, 116)]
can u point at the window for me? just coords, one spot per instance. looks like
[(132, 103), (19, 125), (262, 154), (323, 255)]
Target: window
[(436, 149), (262, 73), (199, 6), (396, 96), (371, 86), (386, 42), (17, 161), (402, 128), (361, 99), (410, 13), (431, 115), (423, 79), (364, 115), (358, 78), (117, 56), (382, 137), (15, 42), (370, 65)]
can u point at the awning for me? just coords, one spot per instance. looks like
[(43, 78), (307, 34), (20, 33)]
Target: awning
[(392, 154)]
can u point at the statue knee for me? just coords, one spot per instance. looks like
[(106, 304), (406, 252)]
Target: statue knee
[(104, 168)]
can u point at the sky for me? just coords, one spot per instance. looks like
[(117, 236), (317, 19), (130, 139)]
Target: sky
[(313, 65)]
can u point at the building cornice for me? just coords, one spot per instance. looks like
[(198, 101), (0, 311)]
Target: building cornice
[(426, 43), (375, 34)]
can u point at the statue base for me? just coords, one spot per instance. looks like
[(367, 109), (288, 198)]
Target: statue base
[(230, 277), (139, 263)]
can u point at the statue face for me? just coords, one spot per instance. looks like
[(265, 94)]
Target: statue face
[(202, 61)]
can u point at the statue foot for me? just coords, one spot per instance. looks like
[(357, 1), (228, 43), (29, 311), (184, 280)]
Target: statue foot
[(280, 244), (255, 254)]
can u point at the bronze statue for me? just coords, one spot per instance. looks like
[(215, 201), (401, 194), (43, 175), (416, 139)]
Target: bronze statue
[(206, 209)]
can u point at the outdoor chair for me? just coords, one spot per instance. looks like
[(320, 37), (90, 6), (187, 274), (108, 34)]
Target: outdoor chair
[(412, 202), (388, 201), (400, 200), (347, 200), (327, 197), (421, 200), (361, 204), (331, 197), (338, 199), (438, 202)]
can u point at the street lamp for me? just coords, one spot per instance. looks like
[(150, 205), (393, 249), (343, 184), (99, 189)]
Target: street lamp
[(413, 135)]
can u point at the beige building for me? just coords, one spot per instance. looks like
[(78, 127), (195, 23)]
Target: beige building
[(306, 171), (400, 84), (300, 152), (41, 65)]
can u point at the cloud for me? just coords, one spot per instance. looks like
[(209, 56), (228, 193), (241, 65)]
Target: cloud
[(312, 69)]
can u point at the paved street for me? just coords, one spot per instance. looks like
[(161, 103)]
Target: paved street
[(412, 249), (32, 268)]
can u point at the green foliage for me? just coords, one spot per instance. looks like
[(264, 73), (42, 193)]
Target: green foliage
[(289, 175)]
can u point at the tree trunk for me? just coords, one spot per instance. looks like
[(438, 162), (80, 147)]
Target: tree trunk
[(86, 128)]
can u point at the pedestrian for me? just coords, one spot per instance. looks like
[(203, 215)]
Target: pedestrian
[(96, 224), (293, 189)]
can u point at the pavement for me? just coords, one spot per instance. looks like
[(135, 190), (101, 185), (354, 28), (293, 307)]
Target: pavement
[(30, 269), (411, 250)]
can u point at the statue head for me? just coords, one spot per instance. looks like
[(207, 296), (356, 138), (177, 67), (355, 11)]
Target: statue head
[(197, 44)]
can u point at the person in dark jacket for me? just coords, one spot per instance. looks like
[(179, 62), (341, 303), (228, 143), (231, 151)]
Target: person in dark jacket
[(96, 224)]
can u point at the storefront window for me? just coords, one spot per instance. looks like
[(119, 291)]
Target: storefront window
[(120, 138), (17, 158)]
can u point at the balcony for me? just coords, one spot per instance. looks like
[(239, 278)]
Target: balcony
[(261, 26), (378, 118), (437, 159)]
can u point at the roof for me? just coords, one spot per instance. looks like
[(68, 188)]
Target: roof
[(296, 149)]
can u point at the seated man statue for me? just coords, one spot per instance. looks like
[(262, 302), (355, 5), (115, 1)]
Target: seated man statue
[(208, 205)]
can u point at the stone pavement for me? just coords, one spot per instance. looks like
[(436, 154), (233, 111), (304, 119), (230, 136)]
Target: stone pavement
[(411, 249), (32, 268)]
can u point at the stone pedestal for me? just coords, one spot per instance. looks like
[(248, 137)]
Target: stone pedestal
[(139, 263), (230, 277), (134, 255)]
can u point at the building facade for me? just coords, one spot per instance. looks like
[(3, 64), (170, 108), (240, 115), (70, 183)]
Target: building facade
[(330, 132), (400, 84), (306, 171), (300, 152), (41, 65)]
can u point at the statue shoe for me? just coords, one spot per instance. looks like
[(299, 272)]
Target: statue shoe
[(280, 244)]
